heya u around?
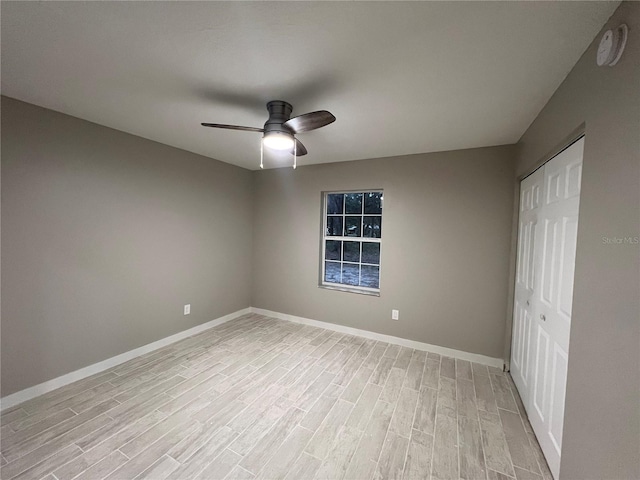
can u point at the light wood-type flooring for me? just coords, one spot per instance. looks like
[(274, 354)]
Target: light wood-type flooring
[(267, 399)]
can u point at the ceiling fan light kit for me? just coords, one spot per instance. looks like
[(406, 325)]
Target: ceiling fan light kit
[(278, 141), (280, 129)]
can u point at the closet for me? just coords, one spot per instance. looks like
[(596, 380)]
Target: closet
[(547, 234)]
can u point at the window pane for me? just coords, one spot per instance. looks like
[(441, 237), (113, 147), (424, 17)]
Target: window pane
[(372, 227), (371, 253), (332, 272), (332, 250), (352, 226), (370, 277), (350, 274), (334, 202), (373, 202), (353, 203), (351, 251), (334, 226)]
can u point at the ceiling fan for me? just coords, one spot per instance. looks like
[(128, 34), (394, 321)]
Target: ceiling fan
[(280, 129)]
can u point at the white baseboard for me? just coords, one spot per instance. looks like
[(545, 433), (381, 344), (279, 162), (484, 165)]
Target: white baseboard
[(448, 352), (49, 385)]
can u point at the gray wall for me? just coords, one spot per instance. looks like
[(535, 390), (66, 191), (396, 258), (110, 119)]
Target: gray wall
[(602, 421), (104, 237), (445, 251)]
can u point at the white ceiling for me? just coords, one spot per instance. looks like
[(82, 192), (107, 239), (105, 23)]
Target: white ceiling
[(400, 77)]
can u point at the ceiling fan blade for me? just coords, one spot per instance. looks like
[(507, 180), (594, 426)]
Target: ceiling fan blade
[(310, 121), (300, 149), (233, 127)]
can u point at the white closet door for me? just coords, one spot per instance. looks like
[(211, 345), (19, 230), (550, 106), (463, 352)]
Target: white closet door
[(529, 207), (541, 368)]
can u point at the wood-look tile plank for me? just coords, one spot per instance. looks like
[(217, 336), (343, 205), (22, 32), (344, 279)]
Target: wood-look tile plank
[(448, 367), (260, 426), (21, 448), (542, 462), (522, 474), (485, 397), (239, 473), (48, 465), (466, 398), (463, 369), (353, 364), (204, 436), (104, 467), (333, 390), (311, 394), (479, 370), (431, 374), (337, 461), (392, 351), (326, 434), (445, 449), (393, 386), (447, 402), (418, 464), (165, 425), (361, 413), (403, 416), (284, 458), (364, 461), (298, 388), (491, 475), (305, 467), (496, 451), (522, 455), (160, 469), (12, 415), (220, 466), (356, 386), (502, 392), (271, 441), (50, 399), (50, 448), (391, 462), (404, 358), (375, 355), (138, 464), (425, 417), (204, 456), (382, 371), (415, 371), (44, 424), (470, 449), (318, 412)]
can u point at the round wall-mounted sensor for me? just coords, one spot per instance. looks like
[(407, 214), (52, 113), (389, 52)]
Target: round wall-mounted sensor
[(611, 46)]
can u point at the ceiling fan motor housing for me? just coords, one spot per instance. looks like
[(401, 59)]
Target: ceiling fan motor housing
[(279, 112)]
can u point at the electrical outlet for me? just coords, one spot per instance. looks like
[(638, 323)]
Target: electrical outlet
[(187, 309), (395, 314)]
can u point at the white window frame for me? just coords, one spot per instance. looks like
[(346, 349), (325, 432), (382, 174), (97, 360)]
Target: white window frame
[(324, 237)]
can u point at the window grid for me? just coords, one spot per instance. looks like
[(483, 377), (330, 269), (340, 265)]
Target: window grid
[(344, 237)]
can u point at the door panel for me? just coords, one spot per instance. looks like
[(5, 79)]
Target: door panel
[(540, 382), (530, 202), (544, 284), (556, 408)]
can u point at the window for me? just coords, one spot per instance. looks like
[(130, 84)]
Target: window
[(352, 232)]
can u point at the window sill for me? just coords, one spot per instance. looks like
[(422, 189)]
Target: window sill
[(346, 289)]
